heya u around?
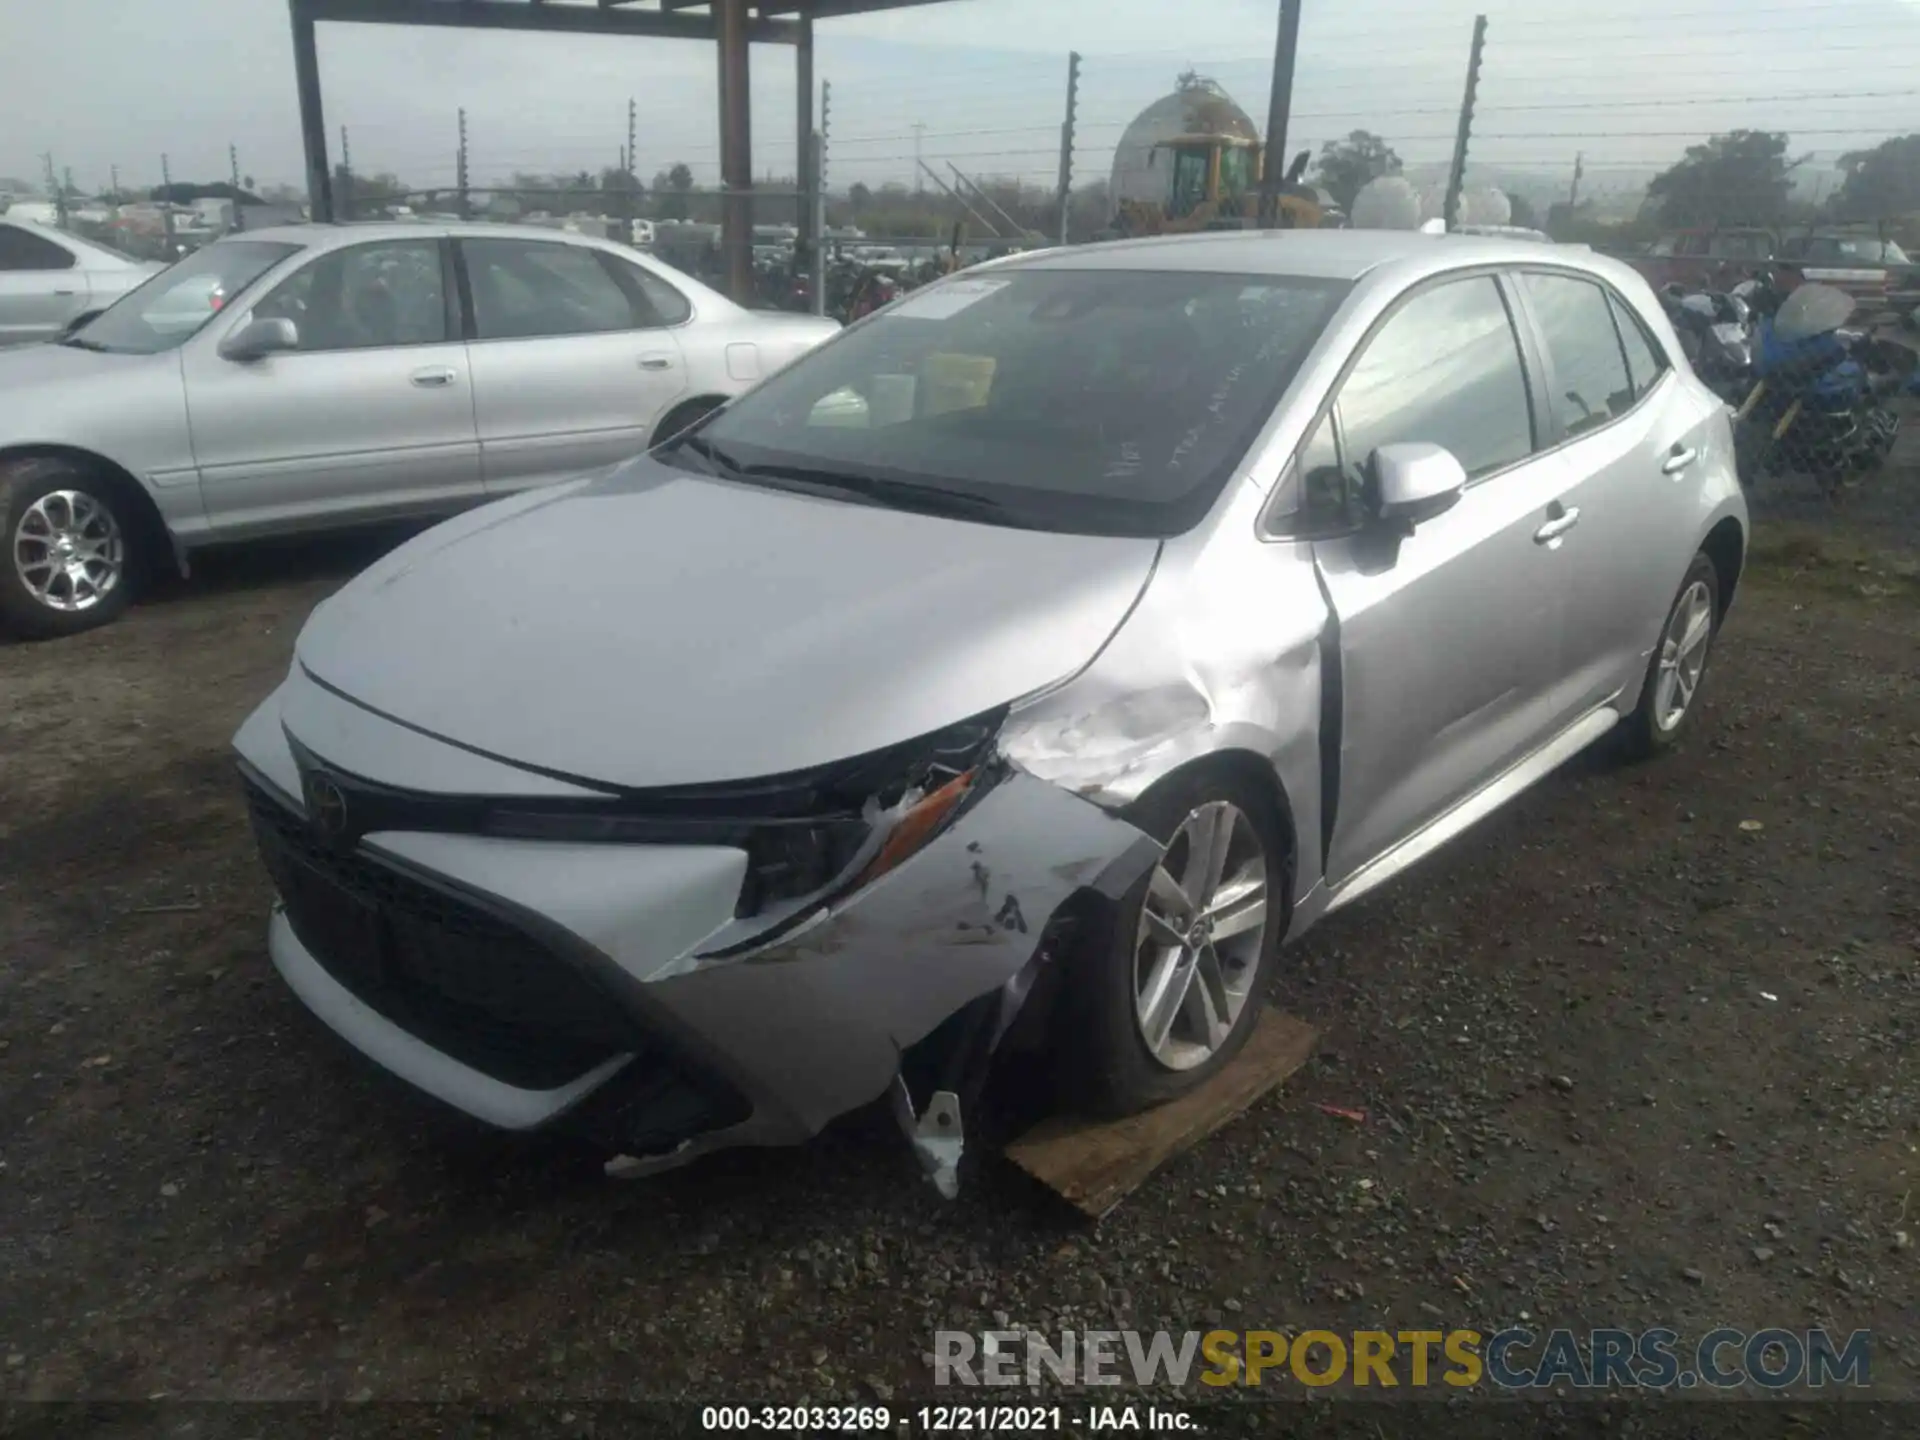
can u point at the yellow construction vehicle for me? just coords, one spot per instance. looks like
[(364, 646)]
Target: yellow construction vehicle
[(1194, 161)]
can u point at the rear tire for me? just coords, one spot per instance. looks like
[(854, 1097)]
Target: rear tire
[(1670, 693), (69, 549), (1156, 1019)]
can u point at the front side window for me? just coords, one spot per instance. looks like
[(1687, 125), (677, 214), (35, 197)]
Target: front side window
[(1091, 401), (1189, 181), (24, 250), (365, 297), (1590, 384), (178, 302), (1445, 370), (524, 289), (1236, 171)]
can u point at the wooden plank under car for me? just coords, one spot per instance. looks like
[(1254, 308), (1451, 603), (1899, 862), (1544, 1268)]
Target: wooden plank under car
[(1095, 1164)]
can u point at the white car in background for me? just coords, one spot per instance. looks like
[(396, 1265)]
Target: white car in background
[(315, 376), (49, 279)]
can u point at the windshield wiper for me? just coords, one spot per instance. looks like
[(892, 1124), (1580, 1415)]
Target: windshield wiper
[(78, 343), (718, 461), (892, 494)]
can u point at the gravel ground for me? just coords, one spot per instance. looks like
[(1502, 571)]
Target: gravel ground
[(1639, 1051)]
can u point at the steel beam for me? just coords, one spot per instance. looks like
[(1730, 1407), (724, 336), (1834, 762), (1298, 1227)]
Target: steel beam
[(736, 150), (551, 19), (313, 123)]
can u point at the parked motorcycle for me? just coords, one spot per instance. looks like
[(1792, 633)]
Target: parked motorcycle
[(1817, 402), (1716, 333)]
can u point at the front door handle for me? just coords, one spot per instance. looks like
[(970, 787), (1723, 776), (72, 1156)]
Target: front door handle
[(1679, 460), (1549, 534), (432, 379), (656, 362)]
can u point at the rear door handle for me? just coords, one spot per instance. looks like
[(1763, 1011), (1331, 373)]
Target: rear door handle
[(656, 362), (1549, 534), (432, 379), (1678, 461)]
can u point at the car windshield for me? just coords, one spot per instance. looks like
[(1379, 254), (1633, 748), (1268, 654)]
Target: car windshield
[(1090, 401), (1862, 250), (177, 302)]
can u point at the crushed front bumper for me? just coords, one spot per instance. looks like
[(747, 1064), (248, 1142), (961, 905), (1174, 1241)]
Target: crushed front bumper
[(538, 983)]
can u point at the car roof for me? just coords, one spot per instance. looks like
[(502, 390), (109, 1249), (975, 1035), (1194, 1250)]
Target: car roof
[(1311, 254), (326, 236)]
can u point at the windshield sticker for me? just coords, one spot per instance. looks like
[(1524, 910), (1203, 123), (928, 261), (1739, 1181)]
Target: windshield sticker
[(942, 301)]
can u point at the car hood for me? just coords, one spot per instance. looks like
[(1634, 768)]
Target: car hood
[(45, 364), (652, 627)]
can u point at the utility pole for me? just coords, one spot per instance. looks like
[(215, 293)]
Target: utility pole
[(53, 190), (632, 208), (1573, 191), (919, 167), (1066, 142), (826, 123), (233, 169), (1458, 176), (460, 168), (1273, 161), (166, 204), (344, 199), (113, 173)]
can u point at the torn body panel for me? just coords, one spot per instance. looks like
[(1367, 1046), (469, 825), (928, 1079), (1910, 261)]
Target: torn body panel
[(1223, 654), (801, 1029)]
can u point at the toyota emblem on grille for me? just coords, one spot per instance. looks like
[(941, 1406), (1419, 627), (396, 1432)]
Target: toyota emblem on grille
[(326, 808)]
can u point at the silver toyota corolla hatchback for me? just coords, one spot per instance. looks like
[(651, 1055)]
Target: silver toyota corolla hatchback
[(1019, 668)]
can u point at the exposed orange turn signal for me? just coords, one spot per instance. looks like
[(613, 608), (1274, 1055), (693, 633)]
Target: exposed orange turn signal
[(917, 826)]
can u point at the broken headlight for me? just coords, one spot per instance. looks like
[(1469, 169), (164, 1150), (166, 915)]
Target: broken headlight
[(801, 831)]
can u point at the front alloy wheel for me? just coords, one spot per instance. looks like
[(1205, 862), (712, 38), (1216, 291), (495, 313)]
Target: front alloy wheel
[(1202, 929), (68, 551)]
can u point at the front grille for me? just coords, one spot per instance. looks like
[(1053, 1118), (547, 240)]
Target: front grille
[(466, 982)]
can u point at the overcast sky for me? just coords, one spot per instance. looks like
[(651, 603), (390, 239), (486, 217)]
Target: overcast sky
[(117, 82)]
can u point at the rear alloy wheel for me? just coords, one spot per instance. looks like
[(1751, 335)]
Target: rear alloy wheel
[(1679, 663), (68, 554), (1172, 987)]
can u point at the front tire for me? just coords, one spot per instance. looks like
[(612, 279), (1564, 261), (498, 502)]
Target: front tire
[(1678, 664), (69, 550), (1172, 986)]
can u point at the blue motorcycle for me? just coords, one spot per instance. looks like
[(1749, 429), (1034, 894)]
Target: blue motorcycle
[(1817, 404)]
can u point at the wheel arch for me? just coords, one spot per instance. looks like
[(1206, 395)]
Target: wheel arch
[(1243, 767), (142, 509), (683, 414), (1726, 546)]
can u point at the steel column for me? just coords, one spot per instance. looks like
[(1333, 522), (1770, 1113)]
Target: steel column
[(736, 150), (313, 123), (1273, 164)]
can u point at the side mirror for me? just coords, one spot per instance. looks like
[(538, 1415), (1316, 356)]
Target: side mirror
[(1414, 482), (258, 339)]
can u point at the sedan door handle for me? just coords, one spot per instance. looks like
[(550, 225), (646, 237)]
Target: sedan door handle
[(656, 362), (1550, 533), (432, 379), (1678, 461)]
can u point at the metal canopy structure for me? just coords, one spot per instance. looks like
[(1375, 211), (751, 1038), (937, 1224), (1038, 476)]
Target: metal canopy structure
[(733, 26)]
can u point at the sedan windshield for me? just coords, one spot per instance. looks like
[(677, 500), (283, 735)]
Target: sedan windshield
[(177, 302), (1091, 401)]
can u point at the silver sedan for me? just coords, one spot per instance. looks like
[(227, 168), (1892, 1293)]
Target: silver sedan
[(50, 279), (1025, 665), (317, 376)]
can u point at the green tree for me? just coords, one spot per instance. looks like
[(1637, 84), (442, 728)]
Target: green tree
[(859, 196), (675, 192), (1882, 183), (1523, 212), (1346, 165), (1739, 178)]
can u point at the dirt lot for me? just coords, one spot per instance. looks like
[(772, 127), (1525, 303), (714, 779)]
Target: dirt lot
[(1638, 1052)]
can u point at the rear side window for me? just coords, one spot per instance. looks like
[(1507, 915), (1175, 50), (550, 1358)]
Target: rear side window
[(1590, 384), (23, 250), (1645, 364), (658, 301), (1445, 370), (524, 289)]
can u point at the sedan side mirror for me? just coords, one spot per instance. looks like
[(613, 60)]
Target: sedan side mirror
[(1414, 482), (258, 339)]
